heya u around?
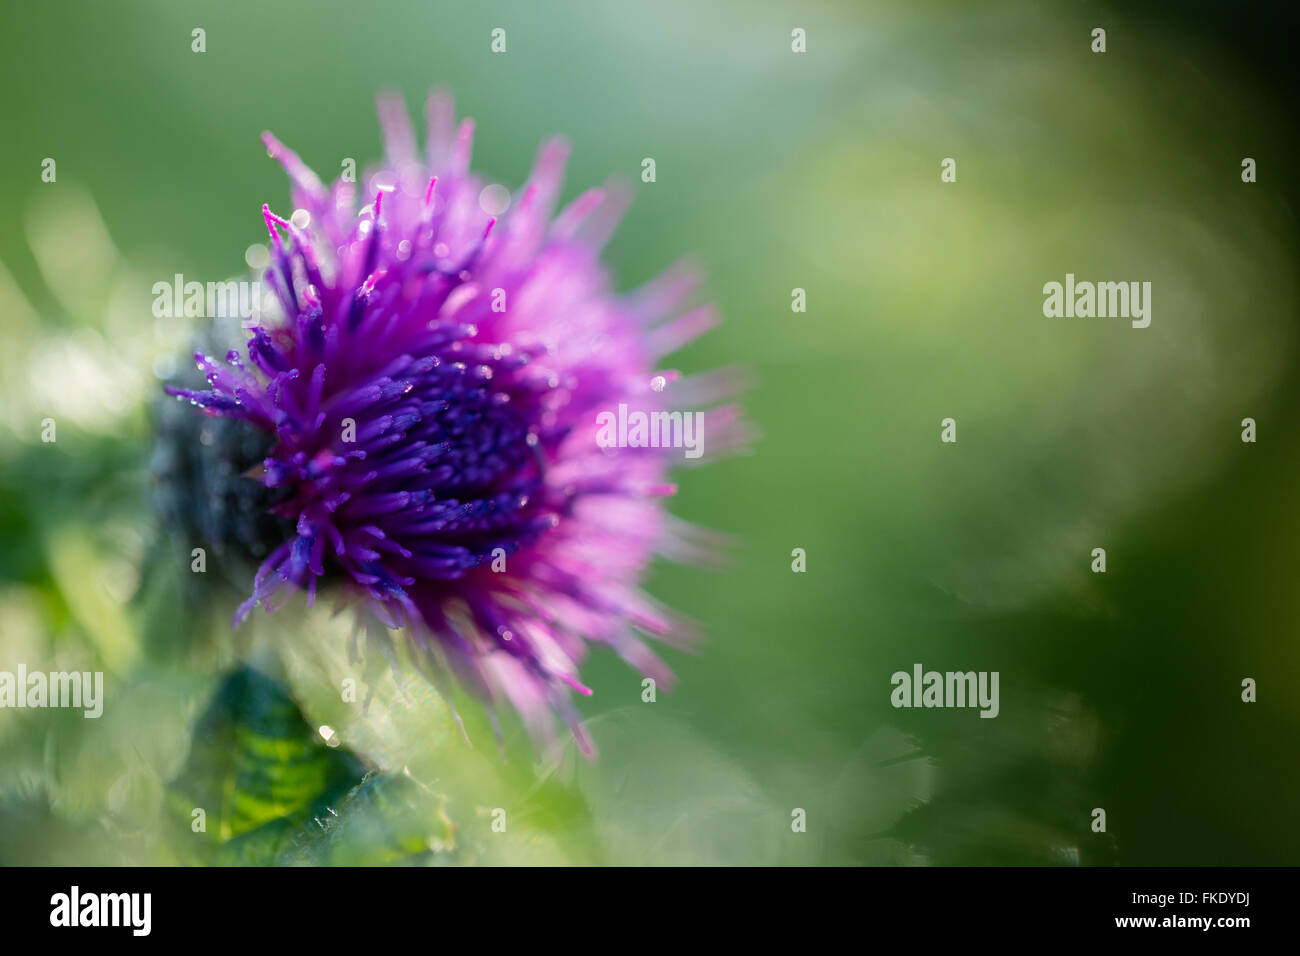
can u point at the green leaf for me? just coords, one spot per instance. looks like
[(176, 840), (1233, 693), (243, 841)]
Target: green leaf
[(387, 819), (260, 774)]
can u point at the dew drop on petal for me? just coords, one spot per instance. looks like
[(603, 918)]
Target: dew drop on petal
[(257, 256), (494, 199)]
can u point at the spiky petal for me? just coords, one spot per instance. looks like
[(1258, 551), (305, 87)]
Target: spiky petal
[(431, 384)]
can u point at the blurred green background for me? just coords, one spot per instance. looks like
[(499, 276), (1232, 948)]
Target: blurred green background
[(776, 170)]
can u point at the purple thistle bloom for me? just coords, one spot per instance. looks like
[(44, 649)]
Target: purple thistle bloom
[(431, 387)]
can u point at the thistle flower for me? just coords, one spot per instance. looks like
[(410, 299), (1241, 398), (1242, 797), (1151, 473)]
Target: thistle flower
[(429, 389)]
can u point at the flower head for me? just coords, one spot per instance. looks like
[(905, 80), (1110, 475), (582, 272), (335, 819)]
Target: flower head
[(430, 387)]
